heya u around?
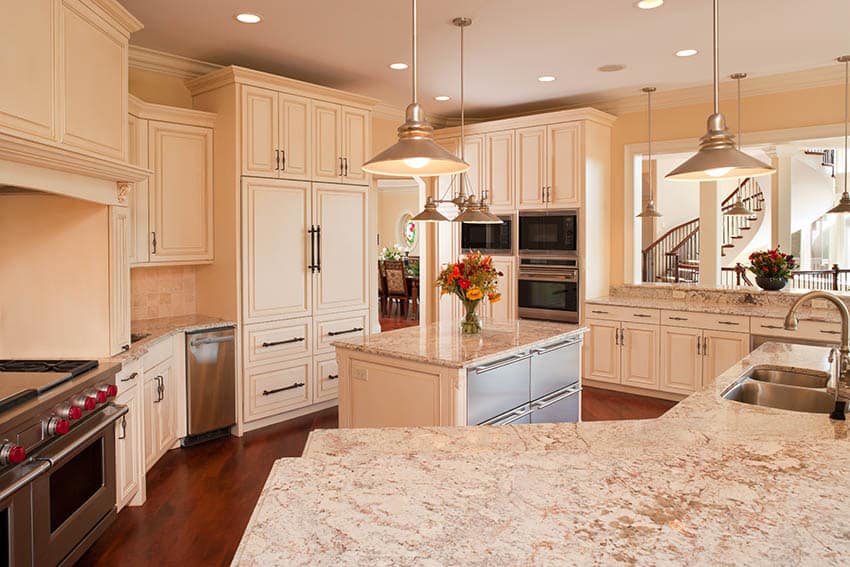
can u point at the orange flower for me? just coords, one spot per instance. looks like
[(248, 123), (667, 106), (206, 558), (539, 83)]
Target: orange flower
[(473, 293), (496, 298)]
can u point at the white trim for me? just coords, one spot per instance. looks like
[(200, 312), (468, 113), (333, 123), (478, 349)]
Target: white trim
[(765, 139), (168, 63)]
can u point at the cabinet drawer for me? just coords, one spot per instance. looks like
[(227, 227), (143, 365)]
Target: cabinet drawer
[(129, 377), (624, 314), (266, 343), (807, 330), (326, 378), (277, 388), (711, 321), (351, 326), (159, 351)]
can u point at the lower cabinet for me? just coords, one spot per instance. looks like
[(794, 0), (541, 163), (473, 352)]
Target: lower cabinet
[(160, 410), (277, 388), (622, 353), (692, 358), (504, 310), (128, 438), (326, 378)]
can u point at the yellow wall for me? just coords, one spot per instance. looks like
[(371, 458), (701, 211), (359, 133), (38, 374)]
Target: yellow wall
[(792, 109), (159, 88), (384, 133), (392, 204)]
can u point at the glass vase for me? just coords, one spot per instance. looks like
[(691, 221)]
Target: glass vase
[(471, 324)]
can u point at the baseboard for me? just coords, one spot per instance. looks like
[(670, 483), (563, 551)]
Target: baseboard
[(632, 390), (281, 417)]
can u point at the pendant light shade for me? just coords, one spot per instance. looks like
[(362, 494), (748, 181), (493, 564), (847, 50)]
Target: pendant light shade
[(430, 213), (415, 153), (717, 157), (649, 212), (738, 208), (843, 205)]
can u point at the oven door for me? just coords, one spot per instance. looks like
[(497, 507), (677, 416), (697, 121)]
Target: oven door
[(554, 232), (75, 501), (15, 519), (548, 297)]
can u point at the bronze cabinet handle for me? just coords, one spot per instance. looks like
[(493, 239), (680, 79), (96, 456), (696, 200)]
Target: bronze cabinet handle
[(333, 376), (728, 323), (153, 242), (132, 376), (286, 342), (285, 388), (678, 318), (283, 160), (337, 333)]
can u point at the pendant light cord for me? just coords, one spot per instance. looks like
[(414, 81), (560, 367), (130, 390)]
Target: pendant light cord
[(415, 59), (649, 128), (716, 59), (846, 106)]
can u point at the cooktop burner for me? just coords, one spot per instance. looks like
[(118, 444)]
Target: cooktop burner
[(72, 367)]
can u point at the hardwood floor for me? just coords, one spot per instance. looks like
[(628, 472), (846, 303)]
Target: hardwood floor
[(200, 498), (391, 323)]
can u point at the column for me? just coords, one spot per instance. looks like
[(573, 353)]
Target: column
[(710, 234), (780, 197)]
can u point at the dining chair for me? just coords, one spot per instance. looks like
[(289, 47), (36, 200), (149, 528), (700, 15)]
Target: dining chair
[(397, 288)]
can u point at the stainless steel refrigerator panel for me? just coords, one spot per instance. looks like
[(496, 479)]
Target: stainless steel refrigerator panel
[(555, 367), (210, 380), (498, 387), (560, 407)]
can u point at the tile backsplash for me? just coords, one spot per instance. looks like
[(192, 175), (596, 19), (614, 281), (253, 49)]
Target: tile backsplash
[(168, 291)]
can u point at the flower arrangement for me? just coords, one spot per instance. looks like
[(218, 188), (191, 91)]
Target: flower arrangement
[(772, 268), (471, 279), (394, 252)]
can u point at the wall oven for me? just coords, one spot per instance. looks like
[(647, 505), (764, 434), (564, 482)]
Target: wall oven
[(548, 232), (488, 238), (548, 288)]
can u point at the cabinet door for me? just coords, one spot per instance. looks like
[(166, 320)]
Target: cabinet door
[(473, 154), (564, 178), (294, 136), (137, 154), (639, 346), (681, 364), (504, 310), (530, 167), (499, 178), (94, 81), (29, 63), (119, 279), (356, 144), (721, 350), (276, 388), (326, 378), (341, 282), (602, 351), (327, 154), (259, 132), (151, 403), (128, 436), (276, 249), (167, 408), (181, 196)]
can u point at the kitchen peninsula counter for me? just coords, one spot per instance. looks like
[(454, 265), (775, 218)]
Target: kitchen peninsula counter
[(712, 482)]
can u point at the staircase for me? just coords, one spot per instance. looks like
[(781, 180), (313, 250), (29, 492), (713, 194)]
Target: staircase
[(674, 256)]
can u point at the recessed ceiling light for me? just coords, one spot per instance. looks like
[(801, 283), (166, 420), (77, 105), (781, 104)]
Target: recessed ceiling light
[(398, 66), (546, 78), (442, 98), (648, 4), (611, 68), (248, 18), (686, 52)]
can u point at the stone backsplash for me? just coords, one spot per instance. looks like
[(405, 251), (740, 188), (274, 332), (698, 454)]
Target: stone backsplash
[(167, 291)]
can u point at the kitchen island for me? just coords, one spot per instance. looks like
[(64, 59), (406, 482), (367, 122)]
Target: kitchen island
[(511, 372), (712, 482)]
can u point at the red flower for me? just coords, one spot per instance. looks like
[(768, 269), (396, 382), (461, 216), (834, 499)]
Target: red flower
[(464, 283)]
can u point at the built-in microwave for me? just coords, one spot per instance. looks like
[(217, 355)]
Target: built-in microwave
[(488, 238), (548, 232)]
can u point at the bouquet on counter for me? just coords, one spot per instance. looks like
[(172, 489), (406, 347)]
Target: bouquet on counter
[(772, 268), (471, 279)]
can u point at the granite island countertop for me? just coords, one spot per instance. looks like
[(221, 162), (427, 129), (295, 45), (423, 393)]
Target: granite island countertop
[(443, 344), (712, 482)]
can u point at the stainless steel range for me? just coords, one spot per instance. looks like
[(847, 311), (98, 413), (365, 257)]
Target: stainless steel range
[(57, 458)]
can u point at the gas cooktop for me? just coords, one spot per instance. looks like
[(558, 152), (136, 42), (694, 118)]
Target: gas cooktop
[(23, 380)]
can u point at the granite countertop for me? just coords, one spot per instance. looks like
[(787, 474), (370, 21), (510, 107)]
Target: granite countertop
[(712, 482), (164, 327), (443, 344)]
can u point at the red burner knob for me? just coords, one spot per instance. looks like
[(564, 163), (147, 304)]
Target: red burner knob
[(12, 454), (100, 397), (74, 412), (110, 389), (57, 426)]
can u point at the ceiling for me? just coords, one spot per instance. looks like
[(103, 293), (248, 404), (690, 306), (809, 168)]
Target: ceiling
[(348, 44)]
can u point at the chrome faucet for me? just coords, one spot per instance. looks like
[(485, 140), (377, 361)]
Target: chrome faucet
[(841, 388)]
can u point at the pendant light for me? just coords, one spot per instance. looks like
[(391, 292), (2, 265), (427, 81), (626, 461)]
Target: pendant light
[(650, 212), (738, 208), (416, 153), (717, 157), (843, 205), (472, 209)]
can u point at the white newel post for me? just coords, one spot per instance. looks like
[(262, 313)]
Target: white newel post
[(710, 234)]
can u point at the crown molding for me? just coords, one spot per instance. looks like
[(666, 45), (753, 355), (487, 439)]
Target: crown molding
[(120, 15), (168, 64), (526, 120), (162, 113)]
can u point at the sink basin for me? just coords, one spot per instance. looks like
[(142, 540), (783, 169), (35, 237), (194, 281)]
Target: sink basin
[(779, 396), (136, 337), (789, 377)]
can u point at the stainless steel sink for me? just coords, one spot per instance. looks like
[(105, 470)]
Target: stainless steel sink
[(789, 377), (779, 396)]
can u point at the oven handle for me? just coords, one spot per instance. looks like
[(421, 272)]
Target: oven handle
[(21, 476), (81, 435)]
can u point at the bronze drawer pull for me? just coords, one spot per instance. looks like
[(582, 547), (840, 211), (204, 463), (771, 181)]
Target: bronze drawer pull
[(286, 342), (352, 330), (773, 327), (333, 376), (830, 332), (642, 315), (728, 323), (276, 390), (678, 318), (600, 312), (132, 376)]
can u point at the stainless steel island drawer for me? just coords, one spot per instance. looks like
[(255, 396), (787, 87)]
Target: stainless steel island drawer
[(497, 387)]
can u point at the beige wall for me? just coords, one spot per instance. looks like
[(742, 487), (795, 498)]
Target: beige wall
[(167, 291), (159, 88), (393, 203), (793, 109)]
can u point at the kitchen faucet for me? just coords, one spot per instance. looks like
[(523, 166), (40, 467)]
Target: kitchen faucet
[(841, 388)]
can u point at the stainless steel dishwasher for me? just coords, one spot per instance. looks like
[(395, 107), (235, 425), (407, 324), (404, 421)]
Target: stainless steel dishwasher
[(210, 384)]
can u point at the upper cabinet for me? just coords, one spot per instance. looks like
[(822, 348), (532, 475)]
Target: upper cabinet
[(275, 134), (172, 212), (342, 143), (499, 170)]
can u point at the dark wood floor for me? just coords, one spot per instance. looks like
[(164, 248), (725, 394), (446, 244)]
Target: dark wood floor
[(200, 498), (392, 323)]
